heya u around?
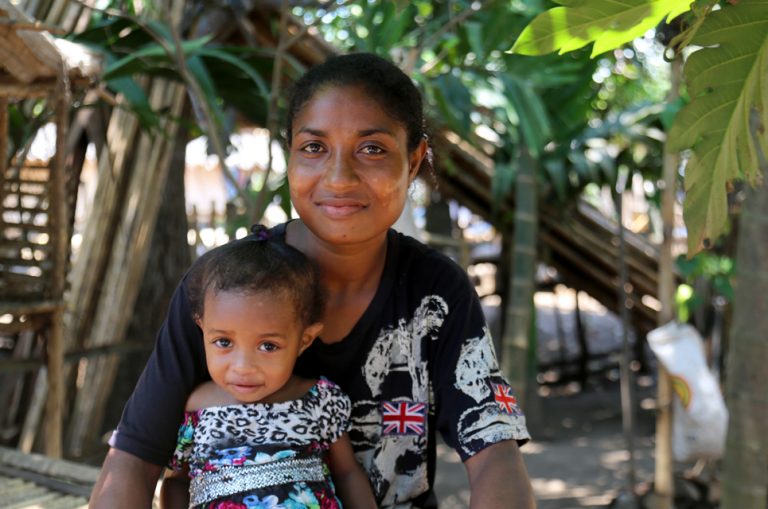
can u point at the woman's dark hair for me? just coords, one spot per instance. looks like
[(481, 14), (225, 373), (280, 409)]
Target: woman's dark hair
[(390, 87), (254, 265)]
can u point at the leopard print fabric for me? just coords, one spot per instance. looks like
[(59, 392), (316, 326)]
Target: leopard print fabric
[(259, 433)]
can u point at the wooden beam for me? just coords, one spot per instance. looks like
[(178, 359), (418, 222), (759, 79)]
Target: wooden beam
[(54, 408)]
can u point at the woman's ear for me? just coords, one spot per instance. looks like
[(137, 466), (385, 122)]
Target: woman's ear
[(416, 158), (309, 335)]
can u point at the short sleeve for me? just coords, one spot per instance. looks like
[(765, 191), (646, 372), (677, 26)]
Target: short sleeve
[(475, 405), (184, 442), (333, 410)]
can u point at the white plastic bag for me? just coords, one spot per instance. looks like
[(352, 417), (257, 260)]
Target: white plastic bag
[(699, 415)]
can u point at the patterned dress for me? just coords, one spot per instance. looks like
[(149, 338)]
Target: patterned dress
[(264, 455)]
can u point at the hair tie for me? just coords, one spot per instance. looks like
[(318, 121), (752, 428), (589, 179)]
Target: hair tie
[(261, 232)]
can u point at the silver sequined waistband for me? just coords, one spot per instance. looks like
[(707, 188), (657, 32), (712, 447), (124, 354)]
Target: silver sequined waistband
[(230, 480)]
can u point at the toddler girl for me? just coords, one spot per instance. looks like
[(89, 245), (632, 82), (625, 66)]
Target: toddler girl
[(257, 435)]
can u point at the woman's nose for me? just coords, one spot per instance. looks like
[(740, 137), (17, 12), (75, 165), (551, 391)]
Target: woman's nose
[(340, 170)]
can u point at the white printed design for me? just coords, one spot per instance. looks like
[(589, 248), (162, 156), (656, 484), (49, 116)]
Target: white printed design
[(397, 352), (399, 348), (484, 425), (477, 363)]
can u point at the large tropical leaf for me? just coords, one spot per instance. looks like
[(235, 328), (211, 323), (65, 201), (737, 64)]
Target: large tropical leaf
[(727, 116), (607, 23)]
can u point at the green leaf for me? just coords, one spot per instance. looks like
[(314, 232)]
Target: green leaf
[(137, 100), (728, 85), (455, 103), (152, 51), (607, 23), (238, 63), (534, 123), (199, 72)]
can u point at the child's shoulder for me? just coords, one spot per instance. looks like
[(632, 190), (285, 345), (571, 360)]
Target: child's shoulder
[(206, 395)]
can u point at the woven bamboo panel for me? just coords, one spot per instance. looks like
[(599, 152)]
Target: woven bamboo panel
[(25, 235)]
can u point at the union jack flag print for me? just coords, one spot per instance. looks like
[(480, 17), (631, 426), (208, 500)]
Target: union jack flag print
[(403, 418), (505, 399)]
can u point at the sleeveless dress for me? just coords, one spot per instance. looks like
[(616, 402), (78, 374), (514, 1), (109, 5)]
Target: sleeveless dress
[(264, 455)]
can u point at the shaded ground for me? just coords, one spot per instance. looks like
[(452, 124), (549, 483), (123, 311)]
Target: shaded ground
[(578, 456)]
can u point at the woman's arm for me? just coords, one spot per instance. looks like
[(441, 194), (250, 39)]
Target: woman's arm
[(125, 482), (352, 485), (174, 492), (498, 478)]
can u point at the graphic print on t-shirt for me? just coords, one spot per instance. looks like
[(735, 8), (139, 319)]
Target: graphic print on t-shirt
[(396, 372), (477, 374)]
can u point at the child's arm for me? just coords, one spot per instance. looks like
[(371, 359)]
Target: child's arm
[(174, 491), (352, 485)]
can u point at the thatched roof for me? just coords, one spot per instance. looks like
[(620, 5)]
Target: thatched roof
[(31, 60)]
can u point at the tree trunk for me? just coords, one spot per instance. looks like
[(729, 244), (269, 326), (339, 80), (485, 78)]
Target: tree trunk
[(517, 335), (745, 477)]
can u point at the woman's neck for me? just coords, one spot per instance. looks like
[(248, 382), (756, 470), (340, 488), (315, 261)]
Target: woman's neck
[(343, 268), (350, 274)]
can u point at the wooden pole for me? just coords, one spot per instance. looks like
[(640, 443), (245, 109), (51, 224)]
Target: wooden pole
[(664, 469), (58, 217), (3, 135)]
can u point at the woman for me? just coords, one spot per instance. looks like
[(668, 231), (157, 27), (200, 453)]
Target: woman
[(404, 332)]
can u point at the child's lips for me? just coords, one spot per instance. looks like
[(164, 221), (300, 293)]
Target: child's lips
[(244, 387)]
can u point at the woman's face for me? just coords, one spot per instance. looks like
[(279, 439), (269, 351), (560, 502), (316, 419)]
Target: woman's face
[(349, 166)]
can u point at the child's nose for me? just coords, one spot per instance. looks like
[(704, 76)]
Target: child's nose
[(244, 362)]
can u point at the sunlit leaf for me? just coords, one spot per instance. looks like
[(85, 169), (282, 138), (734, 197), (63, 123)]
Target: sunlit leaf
[(607, 23), (728, 83)]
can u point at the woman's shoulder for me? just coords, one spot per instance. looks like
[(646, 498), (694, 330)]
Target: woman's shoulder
[(425, 263)]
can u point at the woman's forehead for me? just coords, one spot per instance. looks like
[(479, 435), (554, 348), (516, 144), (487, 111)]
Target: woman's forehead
[(350, 105)]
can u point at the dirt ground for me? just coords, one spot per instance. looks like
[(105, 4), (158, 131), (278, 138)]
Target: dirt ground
[(578, 455)]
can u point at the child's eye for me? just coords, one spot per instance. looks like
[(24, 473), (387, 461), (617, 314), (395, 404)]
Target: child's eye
[(268, 347), (222, 342)]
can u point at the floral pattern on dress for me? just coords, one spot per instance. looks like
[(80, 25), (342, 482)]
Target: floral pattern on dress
[(256, 434)]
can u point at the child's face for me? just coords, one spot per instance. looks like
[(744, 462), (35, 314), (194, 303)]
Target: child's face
[(252, 343)]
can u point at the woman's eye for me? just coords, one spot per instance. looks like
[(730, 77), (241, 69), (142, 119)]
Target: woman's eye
[(312, 148), (268, 347), (372, 150), (222, 342)]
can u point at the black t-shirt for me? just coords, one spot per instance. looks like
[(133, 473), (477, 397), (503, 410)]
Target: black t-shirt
[(419, 360)]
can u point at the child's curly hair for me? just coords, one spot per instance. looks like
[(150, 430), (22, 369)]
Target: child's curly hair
[(254, 265)]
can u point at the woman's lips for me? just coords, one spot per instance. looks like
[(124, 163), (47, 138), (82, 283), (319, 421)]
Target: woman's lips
[(340, 208)]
